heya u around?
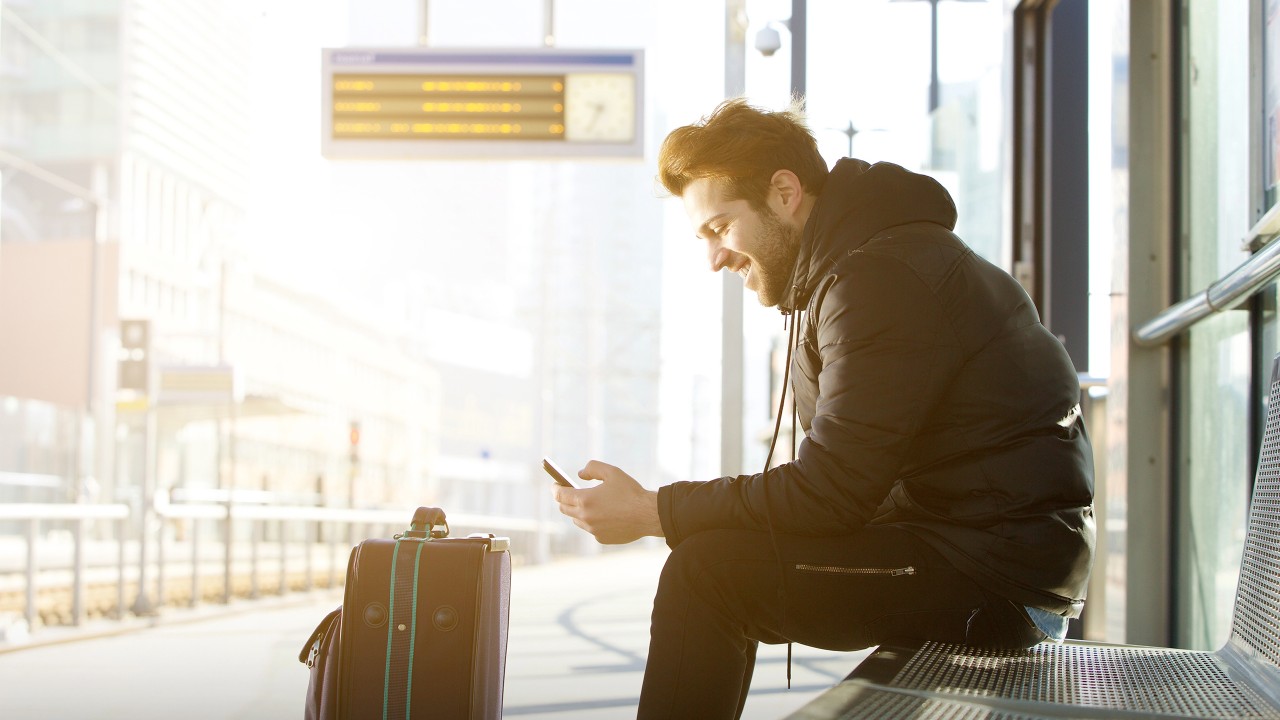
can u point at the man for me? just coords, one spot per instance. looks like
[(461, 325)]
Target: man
[(944, 486)]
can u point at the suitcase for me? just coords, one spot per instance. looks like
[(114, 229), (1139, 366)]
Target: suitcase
[(422, 631)]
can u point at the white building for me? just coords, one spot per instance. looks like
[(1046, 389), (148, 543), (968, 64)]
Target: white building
[(467, 318)]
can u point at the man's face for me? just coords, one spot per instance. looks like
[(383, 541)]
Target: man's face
[(759, 246)]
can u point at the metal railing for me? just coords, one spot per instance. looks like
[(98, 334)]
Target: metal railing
[(312, 520), (1225, 293), (33, 514), (179, 534)]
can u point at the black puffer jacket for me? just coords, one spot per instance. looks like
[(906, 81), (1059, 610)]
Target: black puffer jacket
[(931, 397)]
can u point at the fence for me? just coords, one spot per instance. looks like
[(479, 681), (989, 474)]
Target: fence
[(194, 537)]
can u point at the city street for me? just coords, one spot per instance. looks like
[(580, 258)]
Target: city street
[(579, 634)]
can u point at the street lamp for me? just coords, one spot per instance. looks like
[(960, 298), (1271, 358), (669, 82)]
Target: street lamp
[(933, 49), (935, 160)]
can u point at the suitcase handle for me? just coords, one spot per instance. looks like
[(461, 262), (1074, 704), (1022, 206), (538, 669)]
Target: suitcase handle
[(311, 651), (425, 521)]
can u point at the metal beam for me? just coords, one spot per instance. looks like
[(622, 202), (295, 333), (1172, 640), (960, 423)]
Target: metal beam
[(732, 362), (1139, 411)]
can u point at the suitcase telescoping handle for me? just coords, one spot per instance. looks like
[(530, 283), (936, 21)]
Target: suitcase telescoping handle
[(426, 520)]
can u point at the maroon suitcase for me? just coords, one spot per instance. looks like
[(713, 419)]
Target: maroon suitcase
[(422, 632)]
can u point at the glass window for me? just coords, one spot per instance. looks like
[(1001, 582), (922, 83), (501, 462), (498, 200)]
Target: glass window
[(871, 99), (1214, 473), (1271, 100)]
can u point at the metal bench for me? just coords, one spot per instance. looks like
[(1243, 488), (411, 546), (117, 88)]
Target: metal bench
[(1097, 680)]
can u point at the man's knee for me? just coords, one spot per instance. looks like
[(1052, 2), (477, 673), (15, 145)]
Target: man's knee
[(721, 567)]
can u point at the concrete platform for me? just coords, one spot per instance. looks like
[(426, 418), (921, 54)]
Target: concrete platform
[(579, 636)]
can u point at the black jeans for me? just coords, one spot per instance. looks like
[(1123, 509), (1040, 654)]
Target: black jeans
[(719, 595)]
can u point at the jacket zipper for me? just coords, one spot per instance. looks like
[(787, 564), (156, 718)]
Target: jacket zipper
[(892, 572)]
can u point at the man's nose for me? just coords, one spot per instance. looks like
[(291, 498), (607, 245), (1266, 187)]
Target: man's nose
[(720, 258)]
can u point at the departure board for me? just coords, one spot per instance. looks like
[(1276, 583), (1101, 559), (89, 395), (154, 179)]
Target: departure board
[(423, 103)]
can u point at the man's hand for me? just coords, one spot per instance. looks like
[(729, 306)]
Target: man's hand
[(617, 511)]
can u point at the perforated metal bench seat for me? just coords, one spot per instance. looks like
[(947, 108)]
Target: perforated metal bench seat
[(1084, 680), (862, 699), (1094, 680)]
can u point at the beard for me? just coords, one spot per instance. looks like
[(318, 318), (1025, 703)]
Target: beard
[(774, 261)]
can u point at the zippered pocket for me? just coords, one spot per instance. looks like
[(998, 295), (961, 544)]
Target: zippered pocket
[(836, 570)]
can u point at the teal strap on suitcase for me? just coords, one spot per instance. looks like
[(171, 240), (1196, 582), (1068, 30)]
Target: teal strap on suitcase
[(397, 690)]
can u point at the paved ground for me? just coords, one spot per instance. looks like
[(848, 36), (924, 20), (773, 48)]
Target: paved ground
[(579, 634)]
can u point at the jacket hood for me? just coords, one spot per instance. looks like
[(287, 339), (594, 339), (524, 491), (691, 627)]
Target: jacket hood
[(858, 202)]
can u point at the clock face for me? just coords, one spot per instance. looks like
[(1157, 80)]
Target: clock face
[(600, 107)]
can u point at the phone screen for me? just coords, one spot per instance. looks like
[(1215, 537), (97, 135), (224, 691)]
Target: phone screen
[(560, 476)]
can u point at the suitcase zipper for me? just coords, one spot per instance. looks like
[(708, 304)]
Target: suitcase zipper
[(831, 569)]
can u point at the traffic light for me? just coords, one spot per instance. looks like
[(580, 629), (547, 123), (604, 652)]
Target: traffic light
[(135, 347)]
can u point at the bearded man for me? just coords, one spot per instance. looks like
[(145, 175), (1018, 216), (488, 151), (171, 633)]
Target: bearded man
[(943, 488)]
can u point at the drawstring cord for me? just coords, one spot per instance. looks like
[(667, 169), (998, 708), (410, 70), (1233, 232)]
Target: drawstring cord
[(795, 412), (790, 322)]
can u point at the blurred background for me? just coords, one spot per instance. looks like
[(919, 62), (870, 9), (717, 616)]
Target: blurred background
[(273, 273), (193, 297), (249, 316)]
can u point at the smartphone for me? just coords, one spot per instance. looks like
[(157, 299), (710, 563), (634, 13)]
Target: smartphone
[(561, 477)]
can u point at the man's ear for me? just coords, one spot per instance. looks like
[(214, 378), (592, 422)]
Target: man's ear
[(787, 192)]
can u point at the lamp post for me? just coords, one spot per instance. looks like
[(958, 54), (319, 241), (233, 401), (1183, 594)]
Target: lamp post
[(732, 370), (935, 99), (799, 47)]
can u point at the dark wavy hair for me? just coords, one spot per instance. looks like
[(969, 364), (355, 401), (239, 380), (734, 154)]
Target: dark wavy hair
[(744, 146)]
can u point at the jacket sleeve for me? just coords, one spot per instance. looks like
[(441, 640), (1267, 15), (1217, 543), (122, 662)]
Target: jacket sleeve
[(888, 354)]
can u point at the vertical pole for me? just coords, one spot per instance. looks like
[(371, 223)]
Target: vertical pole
[(546, 380), (284, 577), (596, 337), (77, 578), (731, 336), (549, 23), (933, 56), (142, 604), (228, 555), (1142, 379), (78, 485), (122, 530), (423, 37), (308, 544), (195, 562), (935, 93), (1065, 242), (160, 566), (103, 409), (33, 532), (799, 49), (255, 540), (333, 554), (353, 472)]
